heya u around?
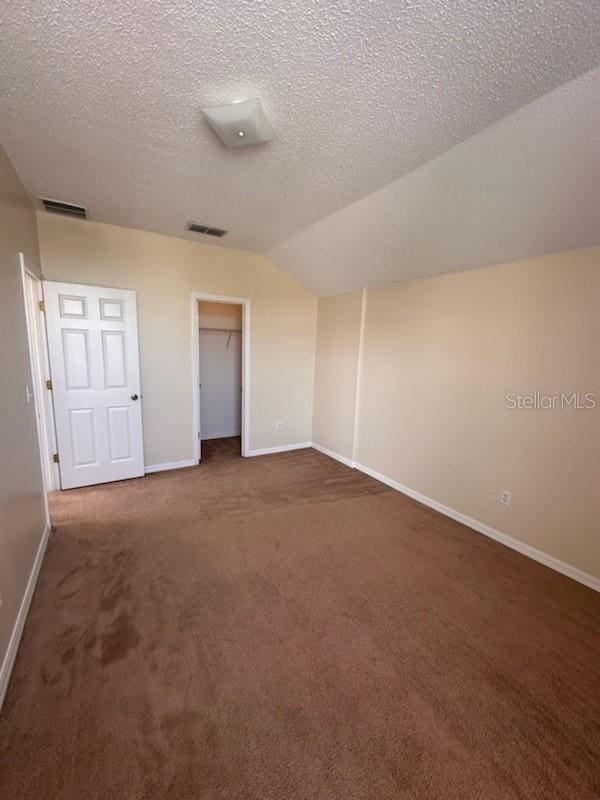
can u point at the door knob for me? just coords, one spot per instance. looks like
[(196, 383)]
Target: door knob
[(134, 396)]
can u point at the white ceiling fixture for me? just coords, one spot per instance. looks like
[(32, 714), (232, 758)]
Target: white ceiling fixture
[(240, 124)]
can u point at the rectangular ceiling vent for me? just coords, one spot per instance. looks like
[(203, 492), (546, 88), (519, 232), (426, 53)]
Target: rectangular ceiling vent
[(68, 209), (198, 227)]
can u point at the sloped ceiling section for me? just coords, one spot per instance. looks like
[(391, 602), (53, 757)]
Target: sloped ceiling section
[(100, 102), (527, 185)]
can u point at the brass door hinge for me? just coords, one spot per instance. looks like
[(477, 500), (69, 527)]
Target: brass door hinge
[(49, 384), (42, 305), (55, 458)]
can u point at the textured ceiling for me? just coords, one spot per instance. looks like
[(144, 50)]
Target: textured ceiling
[(529, 184), (100, 102)]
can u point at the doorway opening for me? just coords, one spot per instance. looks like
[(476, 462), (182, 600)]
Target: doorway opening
[(220, 366), (40, 393)]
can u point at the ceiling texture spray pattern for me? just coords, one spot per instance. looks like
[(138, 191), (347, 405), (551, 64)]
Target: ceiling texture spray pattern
[(528, 184), (100, 103)]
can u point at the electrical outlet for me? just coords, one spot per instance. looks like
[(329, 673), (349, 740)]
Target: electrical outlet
[(279, 426), (505, 497)]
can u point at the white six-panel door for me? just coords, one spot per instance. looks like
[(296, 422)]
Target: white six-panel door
[(92, 338)]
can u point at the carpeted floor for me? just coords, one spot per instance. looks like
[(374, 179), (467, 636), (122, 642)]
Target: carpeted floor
[(227, 449), (285, 628)]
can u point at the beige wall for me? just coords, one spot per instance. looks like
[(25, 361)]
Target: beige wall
[(22, 516), (336, 365), (438, 358), (165, 271)]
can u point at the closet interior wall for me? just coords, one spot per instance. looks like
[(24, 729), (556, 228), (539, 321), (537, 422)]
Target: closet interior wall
[(220, 336)]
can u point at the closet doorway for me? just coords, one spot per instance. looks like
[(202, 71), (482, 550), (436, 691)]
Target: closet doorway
[(221, 360)]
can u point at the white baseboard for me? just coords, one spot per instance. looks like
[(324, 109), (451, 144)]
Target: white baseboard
[(169, 465), (13, 644), (532, 552), (282, 448), (224, 435), (347, 461)]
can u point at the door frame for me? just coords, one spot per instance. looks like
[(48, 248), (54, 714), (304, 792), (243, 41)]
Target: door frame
[(39, 363), (244, 302)]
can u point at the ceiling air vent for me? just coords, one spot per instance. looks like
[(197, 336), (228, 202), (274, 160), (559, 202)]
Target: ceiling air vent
[(198, 227), (69, 209)]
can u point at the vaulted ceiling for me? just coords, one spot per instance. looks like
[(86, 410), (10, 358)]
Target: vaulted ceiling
[(435, 101)]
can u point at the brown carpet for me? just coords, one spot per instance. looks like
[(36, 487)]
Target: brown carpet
[(285, 628), (225, 449)]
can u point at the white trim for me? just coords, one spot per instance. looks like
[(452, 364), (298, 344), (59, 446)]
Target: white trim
[(39, 364), (347, 461), (169, 465), (244, 302), (514, 544), (13, 644), (223, 435), (282, 448), (359, 360)]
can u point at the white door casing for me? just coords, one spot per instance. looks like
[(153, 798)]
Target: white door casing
[(94, 360), (40, 373), (195, 298)]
